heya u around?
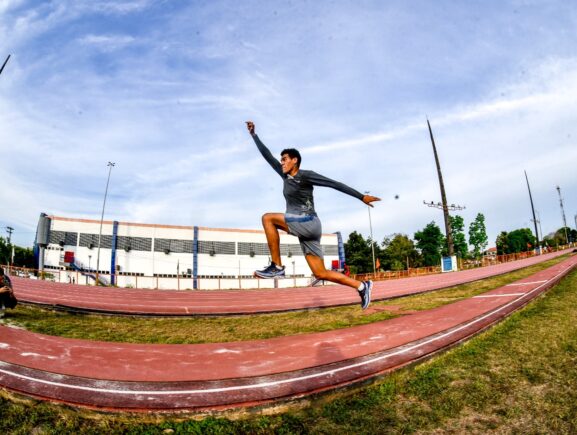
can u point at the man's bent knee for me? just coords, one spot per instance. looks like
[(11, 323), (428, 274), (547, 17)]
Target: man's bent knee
[(274, 219), (322, 275), (267, 217)]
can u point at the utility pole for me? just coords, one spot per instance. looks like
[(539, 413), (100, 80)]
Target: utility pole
[(539, 222), (563, 214), (443, 205), (9, 230), (538, 247)]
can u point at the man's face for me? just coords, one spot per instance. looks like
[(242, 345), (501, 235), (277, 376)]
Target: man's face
[(288, 164)]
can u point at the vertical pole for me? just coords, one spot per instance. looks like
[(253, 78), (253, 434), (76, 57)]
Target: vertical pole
[(372, 241), (9, 230), (4, 64), (538, 247), (113, 253), (448, 231), (195, 282), (178, 273), (110, 166), (540, 229), (563, 214)]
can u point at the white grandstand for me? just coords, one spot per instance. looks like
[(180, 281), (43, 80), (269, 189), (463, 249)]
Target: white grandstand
[(168, 256)]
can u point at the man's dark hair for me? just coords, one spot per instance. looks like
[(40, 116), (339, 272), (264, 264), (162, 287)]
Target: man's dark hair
[(1, 271), (292, 153)]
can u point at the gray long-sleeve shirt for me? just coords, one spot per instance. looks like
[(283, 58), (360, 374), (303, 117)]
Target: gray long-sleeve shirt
[(298, 190)]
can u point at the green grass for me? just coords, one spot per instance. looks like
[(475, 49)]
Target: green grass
[(519, 377), (241, 328)]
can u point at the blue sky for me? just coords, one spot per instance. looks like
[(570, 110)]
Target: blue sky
[(162, 88)]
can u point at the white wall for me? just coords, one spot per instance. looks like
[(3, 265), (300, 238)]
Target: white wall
[(151, 263)]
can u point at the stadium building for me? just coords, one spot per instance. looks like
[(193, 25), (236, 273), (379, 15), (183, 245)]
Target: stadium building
[(127, 254)]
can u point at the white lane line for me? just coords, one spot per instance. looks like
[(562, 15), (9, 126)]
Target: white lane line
[(499, 296), (524, 283), (284, 381)]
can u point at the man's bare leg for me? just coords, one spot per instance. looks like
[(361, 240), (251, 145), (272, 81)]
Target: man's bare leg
[(318, 268), (272, 222), (320, 272)]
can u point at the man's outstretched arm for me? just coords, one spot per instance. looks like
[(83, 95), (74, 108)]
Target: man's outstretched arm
[(264, 150), (321, 180)]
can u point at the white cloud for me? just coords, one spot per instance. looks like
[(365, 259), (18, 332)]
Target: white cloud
[(107, 42), (118, 7)]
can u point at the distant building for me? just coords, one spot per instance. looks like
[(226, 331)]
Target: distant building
[(491, 253), (168, 256)]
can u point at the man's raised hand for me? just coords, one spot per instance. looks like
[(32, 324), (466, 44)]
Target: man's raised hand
[(250, 126), (367, 199)]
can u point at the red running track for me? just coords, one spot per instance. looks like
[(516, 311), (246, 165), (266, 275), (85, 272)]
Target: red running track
[(228, 302), (209, 377)]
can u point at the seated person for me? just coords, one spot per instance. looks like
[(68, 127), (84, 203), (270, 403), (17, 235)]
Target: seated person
[(7, 298)]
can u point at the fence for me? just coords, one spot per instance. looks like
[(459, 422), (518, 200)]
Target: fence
[(486, 260)]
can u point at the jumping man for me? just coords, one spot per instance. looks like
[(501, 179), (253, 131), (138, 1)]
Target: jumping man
[(301, 220)]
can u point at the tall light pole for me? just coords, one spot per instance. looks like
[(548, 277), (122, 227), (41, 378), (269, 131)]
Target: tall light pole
[(8, 229), (110, 166), (534, 218), (372, 240), (563, 214), (443, 205)]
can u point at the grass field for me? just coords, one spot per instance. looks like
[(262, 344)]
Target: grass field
[(518, 377)]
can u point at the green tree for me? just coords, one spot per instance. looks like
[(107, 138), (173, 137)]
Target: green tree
[(358, 254), (430, 241), (23, 257), (5, 251), (558, 237), (502, 243), (565, 235), (520, 240), (399, 251), (478, 235), (572, 234), (458, 232)]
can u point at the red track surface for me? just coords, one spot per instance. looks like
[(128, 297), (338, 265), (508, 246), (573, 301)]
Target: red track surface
[(227, 302), (240, 374)]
